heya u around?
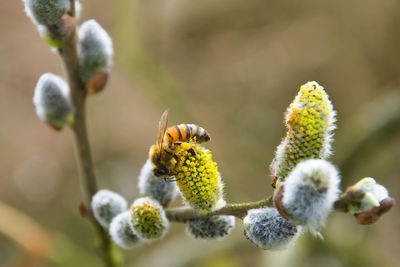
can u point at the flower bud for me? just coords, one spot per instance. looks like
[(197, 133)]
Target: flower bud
[(121, 231), (106, 205), (366, 199), (267, 229), (52, 101), (95, 53), (373, 214), (155, 187), (148, 219), (373, 193), (308, 193), (197, 177), (310, 120), (215, 227), (46, 12)]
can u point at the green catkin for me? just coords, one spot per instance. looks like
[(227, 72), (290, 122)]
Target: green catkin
[(148, 219), (310, 120), (197, 177)]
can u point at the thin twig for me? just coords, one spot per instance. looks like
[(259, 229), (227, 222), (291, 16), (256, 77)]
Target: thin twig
[(239, 210), (68, 53), (182, 214)]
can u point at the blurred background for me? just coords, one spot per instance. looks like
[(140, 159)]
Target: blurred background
[(230, 66)]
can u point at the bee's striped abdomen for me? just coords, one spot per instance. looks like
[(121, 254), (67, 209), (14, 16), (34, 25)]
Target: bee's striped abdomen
[(185, 133)]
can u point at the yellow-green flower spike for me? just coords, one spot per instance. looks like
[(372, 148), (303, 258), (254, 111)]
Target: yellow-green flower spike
[(197, 177), (310, 120), (148, 219)]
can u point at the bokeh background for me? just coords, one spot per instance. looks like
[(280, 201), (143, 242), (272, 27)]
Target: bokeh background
[(231, 66)]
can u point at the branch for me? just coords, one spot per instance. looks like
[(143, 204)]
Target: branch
[(239, 210), (68, 53), (182, 214)]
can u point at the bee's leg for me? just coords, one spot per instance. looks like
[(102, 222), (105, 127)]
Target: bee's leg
[(170, 179), (192, 152)]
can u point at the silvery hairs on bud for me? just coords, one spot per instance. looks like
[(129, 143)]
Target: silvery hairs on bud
[(267, 229), (309, 193), (155, 187), (214, 227), (46, 12), (52, 100), (106, 205), (95, 50), (373, 194), (121, 231)]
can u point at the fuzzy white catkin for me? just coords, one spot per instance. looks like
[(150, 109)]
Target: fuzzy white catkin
[(309, 193), (121, 231), (214, 227), (52, 100), (46, 12), (267, 229), (148, 219), (95, 50), (106, 205), (155, 187)]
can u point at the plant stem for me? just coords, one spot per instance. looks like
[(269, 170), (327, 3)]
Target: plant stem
[(182, 214), (68, 53)]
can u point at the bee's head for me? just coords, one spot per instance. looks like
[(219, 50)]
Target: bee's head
[(161, 171), (157, 157)]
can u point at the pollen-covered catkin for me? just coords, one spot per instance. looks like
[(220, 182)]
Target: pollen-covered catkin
[(121, 231), (214, 227), (52, 101), (148, 219), (310, 120), (309, 193), (95, 51), (155, 187), (106, 205), (197, 177), (267, 229), (46, 12)]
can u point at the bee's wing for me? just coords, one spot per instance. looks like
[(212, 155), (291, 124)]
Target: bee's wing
[(162, 128)]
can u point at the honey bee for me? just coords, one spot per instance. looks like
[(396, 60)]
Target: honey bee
[(162, 155)]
